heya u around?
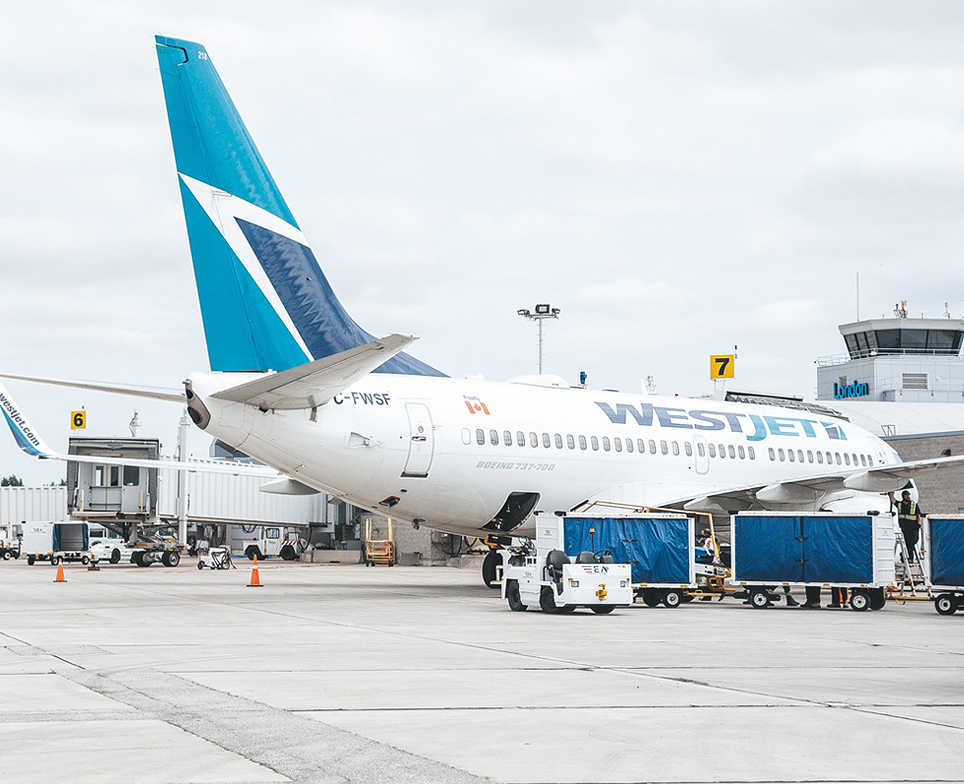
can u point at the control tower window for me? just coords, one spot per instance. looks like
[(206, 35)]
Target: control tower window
[(913, 339), (888, 339), (851, 344)]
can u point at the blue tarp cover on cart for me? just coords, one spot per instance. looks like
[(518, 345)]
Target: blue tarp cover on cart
[(803, 549), (947, 552), (657, 548)]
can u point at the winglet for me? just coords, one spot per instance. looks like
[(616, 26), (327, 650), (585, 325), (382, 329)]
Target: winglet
[(23, 432)]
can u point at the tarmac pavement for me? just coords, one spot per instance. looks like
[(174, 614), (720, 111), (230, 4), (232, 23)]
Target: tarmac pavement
[(348, 674)]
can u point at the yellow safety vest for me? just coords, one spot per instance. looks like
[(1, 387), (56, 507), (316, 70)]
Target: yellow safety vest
[(911, 516)]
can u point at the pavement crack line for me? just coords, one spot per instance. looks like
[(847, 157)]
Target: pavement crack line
[(305, 750)]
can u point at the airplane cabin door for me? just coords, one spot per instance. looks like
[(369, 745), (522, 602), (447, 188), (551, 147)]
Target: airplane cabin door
[(701, 458), (421, 445)]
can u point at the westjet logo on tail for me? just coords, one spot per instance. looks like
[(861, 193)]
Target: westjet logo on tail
[(760, 427)]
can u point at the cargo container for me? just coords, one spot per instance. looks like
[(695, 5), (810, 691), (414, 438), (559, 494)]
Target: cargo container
[(56, 542), (944, 561), (815, 549)]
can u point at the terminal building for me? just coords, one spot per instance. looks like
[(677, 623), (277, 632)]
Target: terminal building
[(903, 380)]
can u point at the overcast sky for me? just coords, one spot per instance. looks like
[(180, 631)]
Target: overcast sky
[(677, 177)]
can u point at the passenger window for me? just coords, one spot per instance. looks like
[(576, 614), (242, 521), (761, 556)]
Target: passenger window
[(466, 436), (663, 448), (820, 457), (800, 455), (494, 437), (731, 451), (829, 458), (480, 436), (595, 443), (533, 440), (675, 448), (652, 447), (570, 442), (688, 447), (837, 457), (545, 440), (629, 445), (722, 451), (700, 449), (809, 456), (712, 450), (606, 445), (507, 438), (618, 443), (520, 438), (780, 453), (791, 456), (752, 453), (846, 458), (741, 452), (558, 441), (771, 453), (582, 443), (640, 445)]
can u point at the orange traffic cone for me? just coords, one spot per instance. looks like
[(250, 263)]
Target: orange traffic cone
[(255, 580), (60, 573)]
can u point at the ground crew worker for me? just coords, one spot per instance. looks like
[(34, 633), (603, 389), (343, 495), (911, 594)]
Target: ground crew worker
[(909, 518)]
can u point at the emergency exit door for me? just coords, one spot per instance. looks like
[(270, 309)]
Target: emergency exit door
[(421, 445)]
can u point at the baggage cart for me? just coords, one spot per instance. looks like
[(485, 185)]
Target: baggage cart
[(771, 549), (943, 559)]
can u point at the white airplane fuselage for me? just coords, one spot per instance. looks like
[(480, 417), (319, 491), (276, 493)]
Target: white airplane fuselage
[(451, 451)]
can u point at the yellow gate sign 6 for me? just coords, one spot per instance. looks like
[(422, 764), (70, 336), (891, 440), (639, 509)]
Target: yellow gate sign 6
[(78, 420), (722, 365)]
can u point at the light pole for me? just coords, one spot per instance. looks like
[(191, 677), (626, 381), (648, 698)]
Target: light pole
[(541, 313)]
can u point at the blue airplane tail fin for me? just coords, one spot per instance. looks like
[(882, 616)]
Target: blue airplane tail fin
[(265, 303)]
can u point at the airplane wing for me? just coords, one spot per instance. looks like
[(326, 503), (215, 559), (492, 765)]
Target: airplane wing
[(808, 490), (29, 440), (315, 383), (170, 395)]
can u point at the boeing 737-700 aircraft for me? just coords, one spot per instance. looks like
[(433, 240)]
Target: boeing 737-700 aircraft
[(300, 386)]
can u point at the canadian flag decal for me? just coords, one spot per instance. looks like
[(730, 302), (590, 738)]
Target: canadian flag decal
[(476, 406)]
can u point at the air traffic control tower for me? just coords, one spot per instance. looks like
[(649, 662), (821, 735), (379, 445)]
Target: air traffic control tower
[(898, 360)]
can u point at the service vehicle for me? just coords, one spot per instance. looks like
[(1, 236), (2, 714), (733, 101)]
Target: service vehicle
[(541, 574), (56, 542), (943, 557), (773, 549), (272, 541), (9, 545), (113, 550)]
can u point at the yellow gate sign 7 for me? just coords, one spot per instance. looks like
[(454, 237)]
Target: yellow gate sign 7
[(722, 366), (78, 420)]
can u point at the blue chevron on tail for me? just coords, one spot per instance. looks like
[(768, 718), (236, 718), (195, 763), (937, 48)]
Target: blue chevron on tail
[(265, 303)]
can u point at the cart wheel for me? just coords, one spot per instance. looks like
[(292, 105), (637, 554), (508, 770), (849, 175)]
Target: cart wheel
[(489, 568), (877, 599), (513, 597), (651, 597), (859, 600), (759, 599), (171, 558), (6, 555), (547, 600), (672, 598), (57, 560), (200, 564), (603, 609), (115, 556), (288, 553), (30, 560), (253, 550), (945, 604), (85, 560)]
